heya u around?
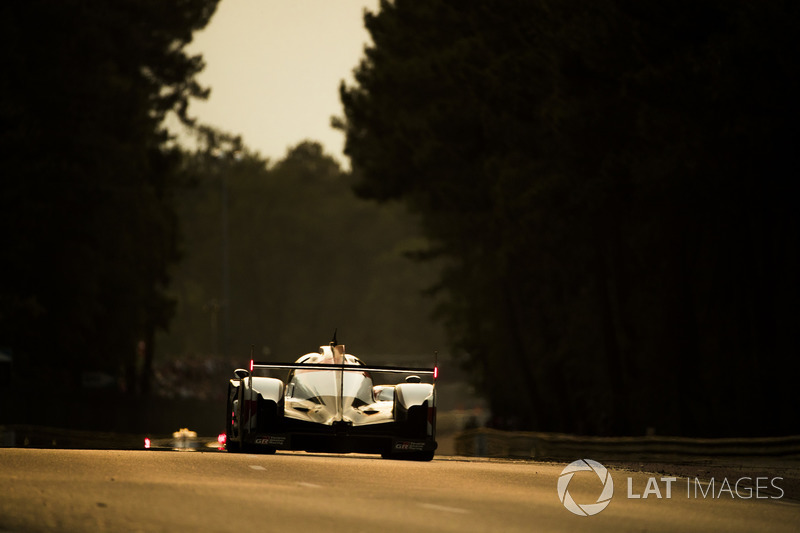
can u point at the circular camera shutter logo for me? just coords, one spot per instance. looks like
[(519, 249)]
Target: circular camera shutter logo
[(590, 508)]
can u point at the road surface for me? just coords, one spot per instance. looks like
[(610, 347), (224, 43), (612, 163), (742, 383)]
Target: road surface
[(148, 490)]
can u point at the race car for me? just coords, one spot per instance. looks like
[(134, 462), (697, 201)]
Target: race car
[(328, 402)]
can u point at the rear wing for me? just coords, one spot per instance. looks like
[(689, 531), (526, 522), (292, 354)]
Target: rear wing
[(434, 371)]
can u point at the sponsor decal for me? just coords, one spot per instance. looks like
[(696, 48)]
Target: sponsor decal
[(272, 440), (410, 446)]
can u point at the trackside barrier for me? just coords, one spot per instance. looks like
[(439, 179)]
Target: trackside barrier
[(27, 436), (484, 442), (23, 436)]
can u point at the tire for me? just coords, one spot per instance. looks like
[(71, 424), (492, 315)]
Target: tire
[(409, 456), (232, 447), (421, 456), (231, 444)]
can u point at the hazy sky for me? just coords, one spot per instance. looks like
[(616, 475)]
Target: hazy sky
[(274, 68)]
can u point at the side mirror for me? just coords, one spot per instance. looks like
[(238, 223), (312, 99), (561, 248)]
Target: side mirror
[(241, 373)]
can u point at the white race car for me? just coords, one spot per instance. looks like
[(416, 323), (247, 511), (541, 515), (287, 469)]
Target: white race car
[(329, 403)]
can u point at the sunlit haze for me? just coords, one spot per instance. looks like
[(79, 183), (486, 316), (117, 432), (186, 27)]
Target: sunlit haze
[(274, 68)]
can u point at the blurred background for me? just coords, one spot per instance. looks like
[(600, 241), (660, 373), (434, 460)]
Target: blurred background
[(584, 207)]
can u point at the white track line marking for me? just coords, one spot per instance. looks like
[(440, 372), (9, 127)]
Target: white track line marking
[(787, 502), (444, 508), (257, 467), (309, 485)]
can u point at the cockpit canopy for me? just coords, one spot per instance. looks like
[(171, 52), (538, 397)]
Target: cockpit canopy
[(322, 385)]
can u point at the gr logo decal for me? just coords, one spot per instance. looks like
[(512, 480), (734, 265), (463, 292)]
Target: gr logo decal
[(587, 509), (275, 440)]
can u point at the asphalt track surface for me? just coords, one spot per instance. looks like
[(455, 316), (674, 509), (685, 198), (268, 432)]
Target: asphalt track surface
[(149, 490)]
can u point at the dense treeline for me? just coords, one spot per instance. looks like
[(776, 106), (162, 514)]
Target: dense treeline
[(608, 182), (278, 255), (118, 244), (88, 217)]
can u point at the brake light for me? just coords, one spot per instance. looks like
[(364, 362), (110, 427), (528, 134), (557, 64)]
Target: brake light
[(251, 365), (435, 372), (147, 443)]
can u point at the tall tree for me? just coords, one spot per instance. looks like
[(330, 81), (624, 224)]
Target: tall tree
[(87, 211), (304, 256), (607, 181)]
